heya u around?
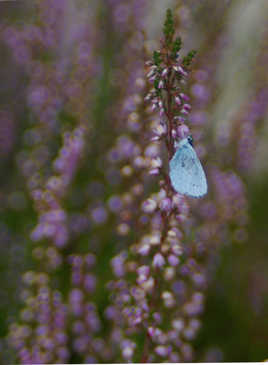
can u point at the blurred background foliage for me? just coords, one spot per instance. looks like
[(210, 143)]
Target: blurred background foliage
[(234, 324)]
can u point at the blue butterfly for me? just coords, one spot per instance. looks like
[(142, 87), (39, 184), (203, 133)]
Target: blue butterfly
[(185, 170)]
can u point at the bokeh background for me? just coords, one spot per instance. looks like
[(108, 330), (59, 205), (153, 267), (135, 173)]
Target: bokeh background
[(68, 78)]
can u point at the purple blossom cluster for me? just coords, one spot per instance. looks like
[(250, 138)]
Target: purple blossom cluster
[(57, 86), (41, 335), (52, 220), (252, 114), (174, 73), (84, 319)]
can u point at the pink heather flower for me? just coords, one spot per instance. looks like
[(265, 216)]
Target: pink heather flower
[(183, 131), (178, 324), (179, 118), (127, 352), (164, 72), (173, 260), (184, 97), (162, 350), (160, 130), (161, 84), (99, 215), (154, 172), (177, 100), (174, 133), (118, 265), (144, 270), (151, 151), (149, 205), (187, 107), (162, 112), (154, 107), (151, 72), (115, 203), (184, 111), (76, 295), (144, 249), (151, 79), (177, 250), (157, 317), (141, 279), (156, 162), (158, 260), (148, 97), (182, 71), (151, 331), (165, 204), (90, 282)]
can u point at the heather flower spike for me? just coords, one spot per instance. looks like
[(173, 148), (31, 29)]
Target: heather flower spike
[(158, 258), (169, 71)]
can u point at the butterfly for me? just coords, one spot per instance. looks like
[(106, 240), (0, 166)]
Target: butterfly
[(185, 170)]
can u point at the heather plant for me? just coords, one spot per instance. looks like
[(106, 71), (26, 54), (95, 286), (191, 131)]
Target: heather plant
[(58, 92), (109, 262), (166, 264)]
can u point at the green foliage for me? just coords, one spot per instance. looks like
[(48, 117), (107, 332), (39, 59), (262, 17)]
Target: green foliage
[(169, 29), (157, 58), (156, 82), (176, 47), (187, 60)]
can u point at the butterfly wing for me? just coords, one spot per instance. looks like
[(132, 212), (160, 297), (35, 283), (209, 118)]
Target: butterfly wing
[(186, 173)]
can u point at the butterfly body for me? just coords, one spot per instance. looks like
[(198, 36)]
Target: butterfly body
[(185, 170)]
